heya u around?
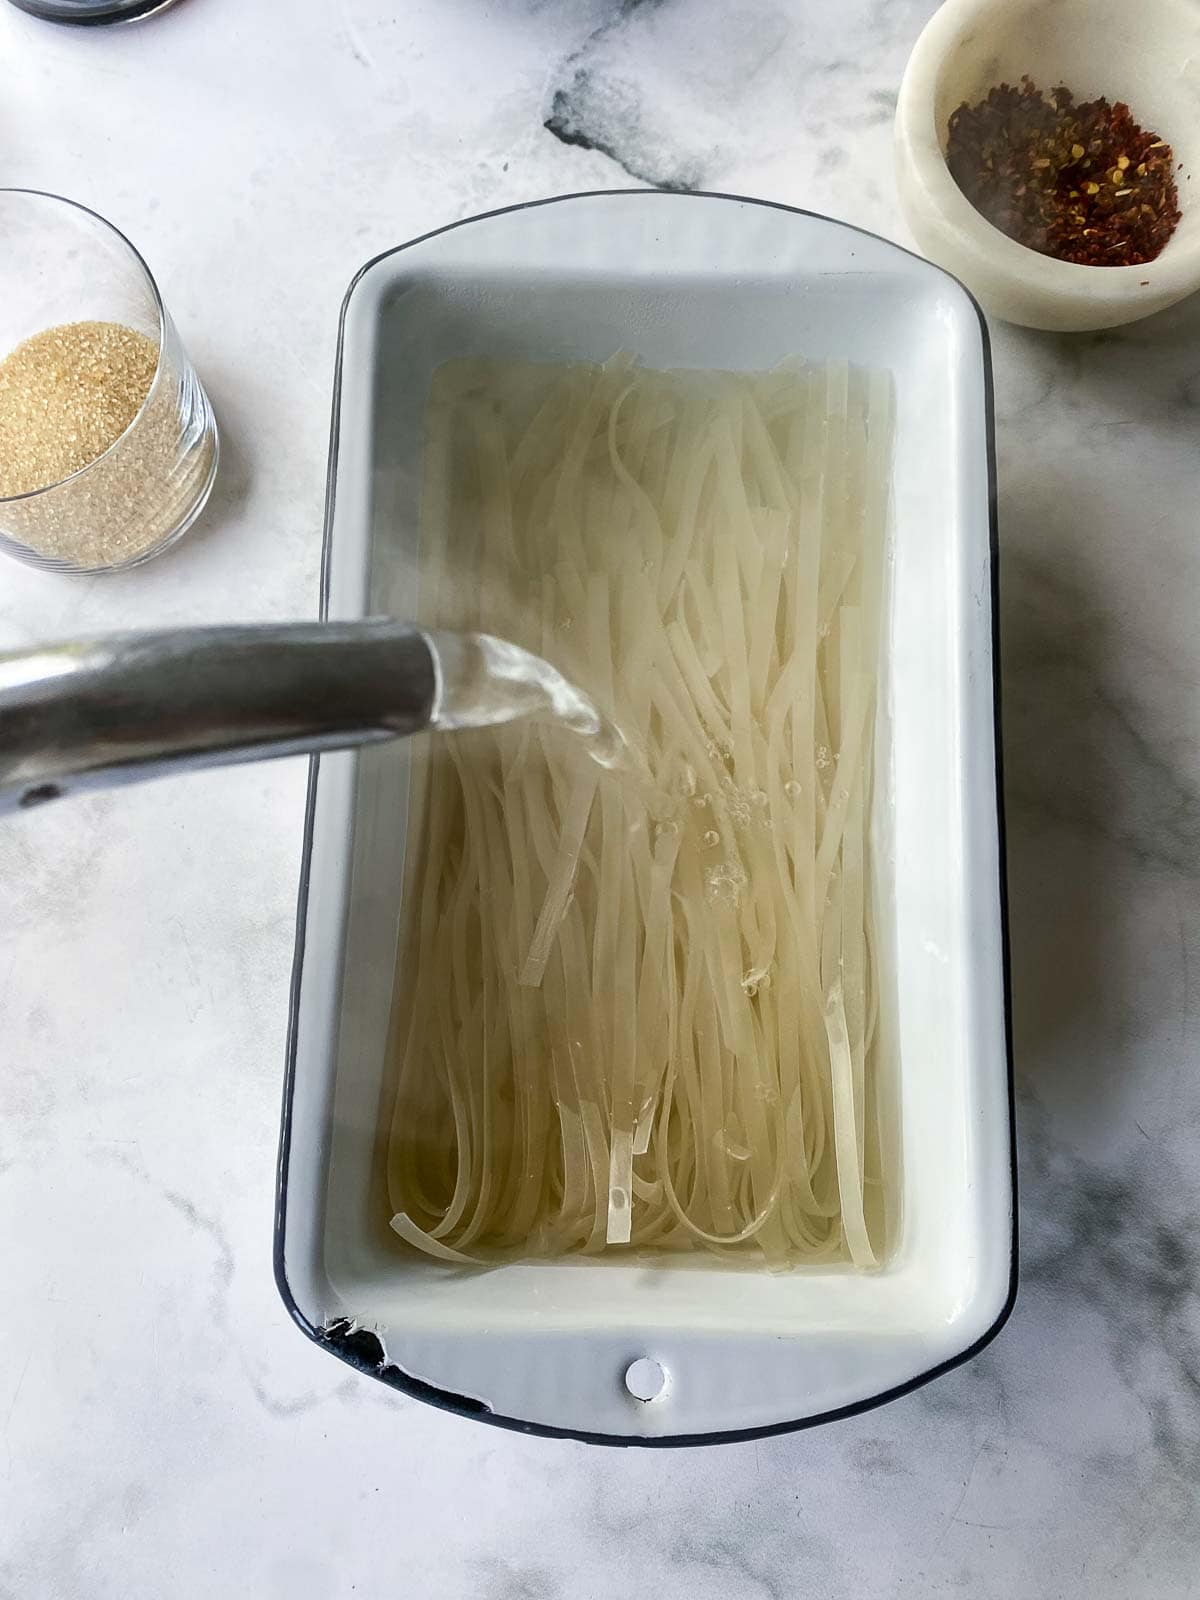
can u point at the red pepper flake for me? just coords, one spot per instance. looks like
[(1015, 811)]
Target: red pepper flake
[(1018, 157)]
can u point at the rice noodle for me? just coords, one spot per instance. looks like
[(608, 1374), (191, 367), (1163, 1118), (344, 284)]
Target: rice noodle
[(630, 1014)]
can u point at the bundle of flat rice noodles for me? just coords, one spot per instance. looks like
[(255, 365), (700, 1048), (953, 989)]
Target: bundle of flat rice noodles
[(634, 1014)]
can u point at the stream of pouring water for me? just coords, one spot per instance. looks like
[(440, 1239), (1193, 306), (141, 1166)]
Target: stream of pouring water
[(483, 681)]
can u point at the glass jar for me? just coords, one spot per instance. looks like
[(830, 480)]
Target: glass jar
[(63, 265)]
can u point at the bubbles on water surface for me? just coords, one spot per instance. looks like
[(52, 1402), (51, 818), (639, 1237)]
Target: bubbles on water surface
[(724, 882)]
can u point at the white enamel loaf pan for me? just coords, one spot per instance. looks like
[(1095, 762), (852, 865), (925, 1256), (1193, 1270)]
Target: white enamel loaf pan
[(706, 281)]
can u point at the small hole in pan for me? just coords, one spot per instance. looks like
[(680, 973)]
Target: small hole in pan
[(645, 1379)]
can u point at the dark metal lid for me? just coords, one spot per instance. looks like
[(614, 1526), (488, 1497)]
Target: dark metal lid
[(91, 12)]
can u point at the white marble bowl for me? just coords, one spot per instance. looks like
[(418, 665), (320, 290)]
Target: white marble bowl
[(1149, 56)]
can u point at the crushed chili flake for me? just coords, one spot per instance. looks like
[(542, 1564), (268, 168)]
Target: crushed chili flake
[(1080, 182)]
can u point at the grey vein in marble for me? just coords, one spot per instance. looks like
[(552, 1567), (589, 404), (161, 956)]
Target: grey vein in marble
[(1100, 707), (677, 96), (601, 105), (208, 1228), (1091, 756), (1122, 1240)]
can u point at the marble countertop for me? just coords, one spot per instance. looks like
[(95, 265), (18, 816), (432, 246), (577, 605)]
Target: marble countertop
[(164, 1429)]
